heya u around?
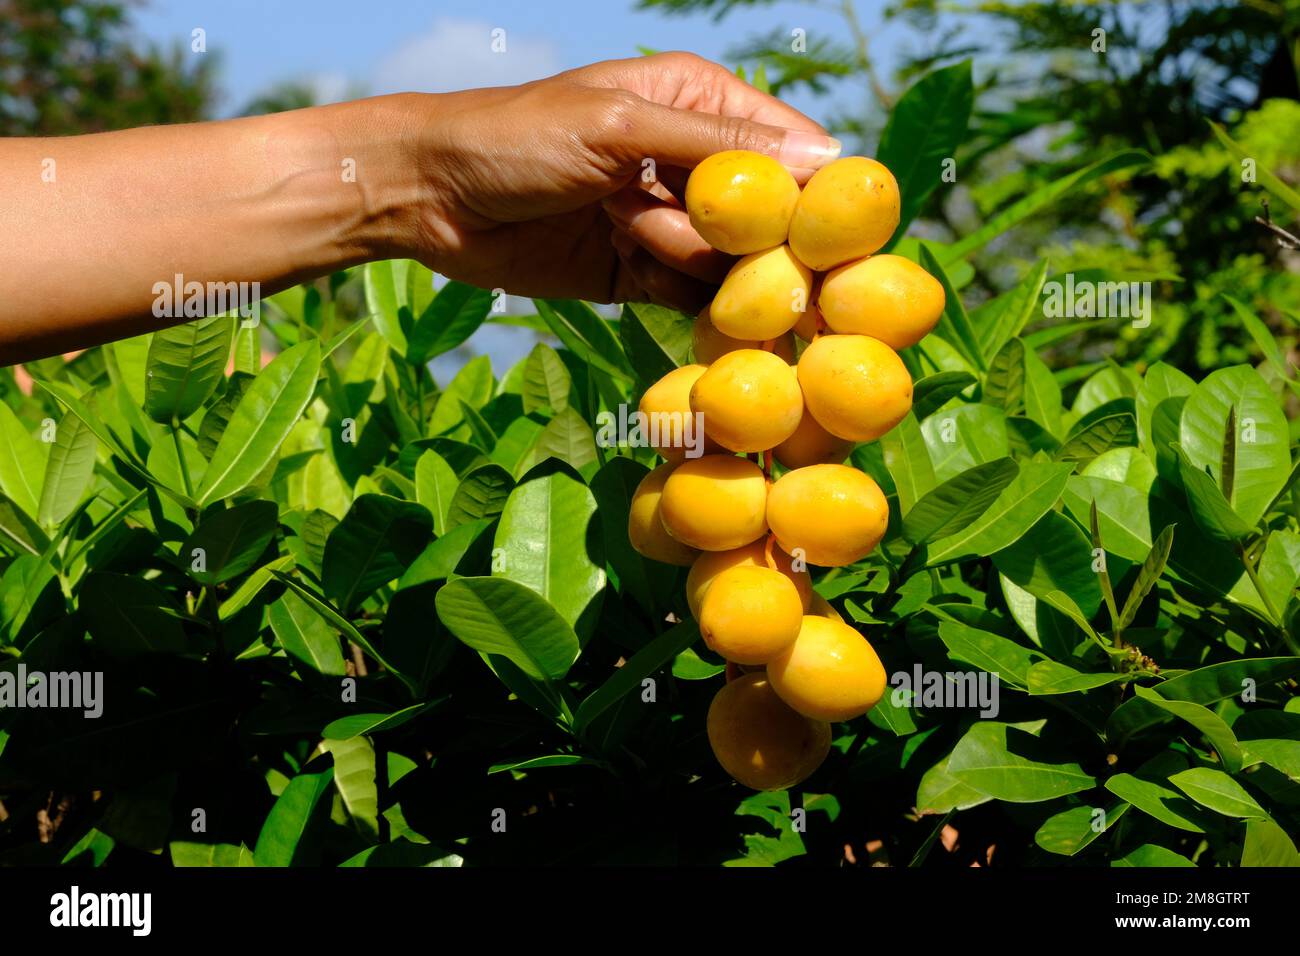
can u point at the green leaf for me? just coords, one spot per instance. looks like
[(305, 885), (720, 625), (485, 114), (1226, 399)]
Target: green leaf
[(22, 463), (261, 422), (656, 339), (541, 763), (1042, 393), (1099, 436), (19, 531), (210, 854), (305, 636), (1151, 854), (1050, 677), (1209, 507), (1032, 493), (1009, 764), (69, 471), (1216, 790), (499, 616), (185, 364), (1267, 844), (128, 616), (482, 493), (586, 335), (1123, 518), (471, 386), (281, 841), (1010, 661), (386, 298), (1153, 566), (954, 325), (438, 561), (569, 438), (1261, 443), (1004, 385), (1266, 178), (451, 318), (953, 505), (1025, 207), (376, 541), (1053, 555), (549, 540), (1147, 790), (908, 461), (354, 778), (939, 791), (1210, 724), (358, 725), (546, 381), (403, 853), (1071, 831), (932, 392), (1000, 320), (1262, 335), (435, 486), (231, 541), (627, 678), (925, 128)]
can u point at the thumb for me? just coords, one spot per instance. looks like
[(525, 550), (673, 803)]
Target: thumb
[(685, 138)]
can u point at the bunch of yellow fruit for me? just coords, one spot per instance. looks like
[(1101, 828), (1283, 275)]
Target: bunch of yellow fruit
[(807, 269)]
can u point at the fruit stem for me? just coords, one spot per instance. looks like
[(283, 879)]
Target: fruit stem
[(767, 552), (767, 464), (768, 345)]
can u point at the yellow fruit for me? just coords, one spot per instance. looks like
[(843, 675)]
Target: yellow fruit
[(750, 400), (855, 386), (645, 529), (810, 444), (759, 740), (740, 201), (708, 344), (750, 615), (715, 503), (762, 296), (847, 210), (667, 404), (887, 297), (834, 514), (753, 555), (829, 673), (820, 607)]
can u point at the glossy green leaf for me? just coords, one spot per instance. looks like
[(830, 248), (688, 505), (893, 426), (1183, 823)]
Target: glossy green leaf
[(376, 542), (500, 616), (227, 543), (69, 470), (185, 364), (1219, 792), (261, 422), (1009, 764), (285, 836), (305, 636)]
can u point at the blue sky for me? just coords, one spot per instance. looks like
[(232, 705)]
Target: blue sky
[(347, 47)]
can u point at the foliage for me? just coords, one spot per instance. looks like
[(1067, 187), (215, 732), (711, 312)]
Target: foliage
[(71, 66)]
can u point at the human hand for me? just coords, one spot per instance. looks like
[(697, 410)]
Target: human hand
[(538, 189)]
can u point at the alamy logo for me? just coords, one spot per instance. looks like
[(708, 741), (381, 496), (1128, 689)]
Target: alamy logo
[(1101, 300), (651, 430), (179, 299), (57, 690), (946, 690), (73, 909)]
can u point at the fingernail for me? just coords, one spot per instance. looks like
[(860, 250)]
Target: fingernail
[(808, 150)]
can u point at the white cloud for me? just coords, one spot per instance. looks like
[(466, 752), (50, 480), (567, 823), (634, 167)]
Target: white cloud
[(457, 54)]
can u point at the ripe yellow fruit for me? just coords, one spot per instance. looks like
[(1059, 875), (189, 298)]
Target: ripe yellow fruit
[(715, 503), (760, 740), (835, 514), (750, 615), (810, 444), (708, 344), (829, 673), (670, 400), (710, 564), (887, 297), (645, 529), (763, 295), (750, 400), (740, 201), (855, 386), (847, 210)]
